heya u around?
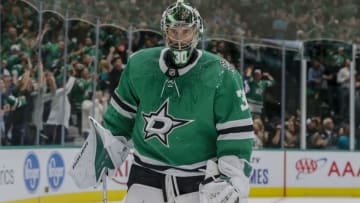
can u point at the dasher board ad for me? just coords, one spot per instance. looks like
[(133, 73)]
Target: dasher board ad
[(32, 173), (323, 169), (268, 169)]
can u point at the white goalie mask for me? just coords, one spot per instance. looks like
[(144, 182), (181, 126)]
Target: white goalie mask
[(182, 27)]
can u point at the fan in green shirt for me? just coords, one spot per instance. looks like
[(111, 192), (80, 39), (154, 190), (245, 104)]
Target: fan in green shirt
[(257, 88)]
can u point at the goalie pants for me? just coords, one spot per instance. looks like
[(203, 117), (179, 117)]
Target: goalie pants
[(148, 186)]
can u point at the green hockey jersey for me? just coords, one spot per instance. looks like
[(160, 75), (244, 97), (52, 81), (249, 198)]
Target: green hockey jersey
[(256, 94), (181, 122)]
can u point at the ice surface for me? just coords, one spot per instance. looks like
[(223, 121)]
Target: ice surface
[(302, 200)]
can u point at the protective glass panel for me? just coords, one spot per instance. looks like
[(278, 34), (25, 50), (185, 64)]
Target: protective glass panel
[(226, 49), (262, 76), (130, 25), (145, 39), (328, 90), (293, 97), (357, 98)]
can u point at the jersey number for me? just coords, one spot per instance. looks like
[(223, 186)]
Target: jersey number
[(180, 57), (244, 105)]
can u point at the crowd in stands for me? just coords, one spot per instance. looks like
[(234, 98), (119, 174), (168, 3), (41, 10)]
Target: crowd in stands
[(281, 19), (52, 99), (328, 102)]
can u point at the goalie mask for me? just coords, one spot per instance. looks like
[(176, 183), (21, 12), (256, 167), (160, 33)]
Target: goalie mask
[(182, 27)]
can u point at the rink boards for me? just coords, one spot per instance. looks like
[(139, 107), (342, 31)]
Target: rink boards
[(40, 175)]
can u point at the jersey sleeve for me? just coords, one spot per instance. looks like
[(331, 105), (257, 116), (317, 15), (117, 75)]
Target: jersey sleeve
[(270, 83), (120, 115), (232, 117)]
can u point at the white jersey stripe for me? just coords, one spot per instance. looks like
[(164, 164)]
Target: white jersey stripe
[(236, 136), (254, 102), (233, 124)]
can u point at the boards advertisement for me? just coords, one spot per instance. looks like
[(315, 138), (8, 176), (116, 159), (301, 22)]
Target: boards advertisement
[(32, 173), (42, 173)]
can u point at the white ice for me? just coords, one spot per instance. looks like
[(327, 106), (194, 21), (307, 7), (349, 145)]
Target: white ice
[(302, 200)]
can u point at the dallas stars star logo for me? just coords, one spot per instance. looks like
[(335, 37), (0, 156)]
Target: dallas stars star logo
[(160, 124)]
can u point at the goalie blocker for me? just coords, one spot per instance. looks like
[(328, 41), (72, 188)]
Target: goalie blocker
[(226, 182)]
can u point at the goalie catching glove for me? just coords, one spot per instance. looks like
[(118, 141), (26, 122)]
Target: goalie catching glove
[(225, 182)]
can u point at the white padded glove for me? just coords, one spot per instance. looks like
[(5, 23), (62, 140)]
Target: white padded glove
[(94, 157), (231, 186), (117, 147)]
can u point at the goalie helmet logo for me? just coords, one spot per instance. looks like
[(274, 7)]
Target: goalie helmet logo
[(184, 14), (160, 124)]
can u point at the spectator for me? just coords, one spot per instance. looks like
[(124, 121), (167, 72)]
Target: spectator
[(275, 140), (330, 76), (101, 101), (21, 111), (344, 141), (4, 109), (59, 114), (312, 128), (343, 78), (9, 86), (291, 133), (261, 137), (11, 39), (292, 137), (104, 82), (89, 48), (79, 93), (273, 131), (42, 96), (257, 88), (53, 53), (3, 68), (13, 58), (357, 101), (88, 62), (315, 77), (339, 57), (280, 24), (328, 137), (116, 69)]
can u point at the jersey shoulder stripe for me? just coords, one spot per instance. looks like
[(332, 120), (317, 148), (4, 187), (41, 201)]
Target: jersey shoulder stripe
[(235, 130), (122, 107), (240, 131), (236, 123), (120, 110), (237, 136), (125, 105)]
